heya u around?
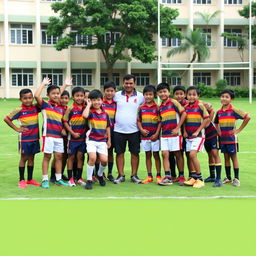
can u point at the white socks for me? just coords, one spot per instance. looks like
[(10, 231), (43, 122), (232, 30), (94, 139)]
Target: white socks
[(45, 177), (58, 176), (101, 170), (89, 172)]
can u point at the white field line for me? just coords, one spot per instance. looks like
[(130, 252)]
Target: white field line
[(127, 197)]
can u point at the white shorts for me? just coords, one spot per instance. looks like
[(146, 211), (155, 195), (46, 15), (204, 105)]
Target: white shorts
[(148, 145), (96, 147), (51, 145), (195, 144), (171, 143)]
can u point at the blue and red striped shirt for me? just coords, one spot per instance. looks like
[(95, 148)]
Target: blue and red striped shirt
[(110, 108), (210, 130)]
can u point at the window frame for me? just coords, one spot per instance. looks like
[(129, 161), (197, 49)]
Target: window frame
[(20, 31), (52, 38), (202, 77), (82, 72), (227, 41), (54, 74), (238, 2), (20, 74), (142, 76), (229, 76), (104, 79)]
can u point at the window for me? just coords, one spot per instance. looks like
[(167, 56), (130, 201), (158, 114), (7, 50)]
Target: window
[(235, 32), (233, 78), (22, 77), (202, 77), (56, 75), (142, 79), (208, 36), (173, 81), (233, 2), (111, 37), (82, 77), (171, 42), (171, 1), (47, 40), (104, 78), (81, 40), (202, 1), (21, 34)]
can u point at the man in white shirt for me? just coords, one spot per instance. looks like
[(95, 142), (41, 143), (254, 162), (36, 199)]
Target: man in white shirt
[(126, 130)]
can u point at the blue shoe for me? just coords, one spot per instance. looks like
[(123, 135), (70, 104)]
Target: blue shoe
[(209, 179), (61, 183), (217, 183), (45, 184)]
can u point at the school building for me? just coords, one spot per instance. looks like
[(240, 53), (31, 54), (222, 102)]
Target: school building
[(27, 54)]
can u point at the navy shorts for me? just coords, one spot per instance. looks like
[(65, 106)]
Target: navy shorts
[(211, 144), (29, 148), (76, 146), (231, 149)]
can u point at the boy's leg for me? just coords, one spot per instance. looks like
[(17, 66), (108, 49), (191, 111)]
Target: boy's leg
[(80, 163), (70, 166), (58, 165), (90, 165), (53, 171), (227, 180), (211, 163), (22, 163), (45, 165), (157, 163), (172, 164), (110, 161), (180, 162), (103, 163), (166, 164), (149, 167), (30, 168), (234, 159)]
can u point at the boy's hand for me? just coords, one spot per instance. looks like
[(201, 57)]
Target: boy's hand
[(46, 81), (89, 102), (22, 129), (175, 131), (195, 134), (185, 135), (154, 137), (63, 132), (68, 81), (108, 144), (235, 131), (144, 132), (76, 135)]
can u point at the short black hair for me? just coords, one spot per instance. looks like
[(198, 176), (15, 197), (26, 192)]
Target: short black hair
[(86, 90), (190, 88), (77, 89), (163, 86), (179, 88), (51, 88), (65, 93), (230, 92), (95, 94), (109, 84), (129, 76), (24, 91), (150, 88)]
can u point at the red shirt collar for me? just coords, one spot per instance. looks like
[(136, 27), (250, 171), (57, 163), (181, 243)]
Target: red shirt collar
[(30, 107), (194, 104), (54, 104), (146, 105), (165, 103), (105, 101), (75, 106), (229, 107), (94, 111)]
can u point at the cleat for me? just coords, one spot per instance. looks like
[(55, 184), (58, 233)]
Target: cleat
[(190, 182), (119, 179), (88, 184), (166, 181), (217, 183), (102, 181), (61, 183), (135, 179), (81, 182), (64, 177), (175, 179), (210, 179), (45, 184), (33, 182), (236, 182), (198, 184), (22, 184), (227, 181), (110, 178), (147, 180), (181, 180), (158, 179), (71, 182), (53, 180)]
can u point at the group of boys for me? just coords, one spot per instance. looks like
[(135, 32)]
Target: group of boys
[(180, 124)]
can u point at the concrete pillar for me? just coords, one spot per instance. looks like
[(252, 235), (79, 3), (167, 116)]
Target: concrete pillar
[(6, 51)]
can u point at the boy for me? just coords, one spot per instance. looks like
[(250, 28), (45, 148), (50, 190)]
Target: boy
[(172, 116), (98, 137), (27, 115), (197, 119), (225, 121), (149, 125), (109, 105), (75, 124), (52, 130)]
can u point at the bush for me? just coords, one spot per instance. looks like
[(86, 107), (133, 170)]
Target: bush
[(221, 84), (206, 91)]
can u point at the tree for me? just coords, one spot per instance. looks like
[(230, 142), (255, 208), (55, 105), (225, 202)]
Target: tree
[(195, 40), (112, 27)]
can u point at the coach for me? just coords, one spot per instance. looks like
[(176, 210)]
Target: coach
[(126, 130)]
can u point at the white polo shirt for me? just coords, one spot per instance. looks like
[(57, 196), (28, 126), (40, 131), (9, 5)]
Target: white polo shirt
[(126, 111)]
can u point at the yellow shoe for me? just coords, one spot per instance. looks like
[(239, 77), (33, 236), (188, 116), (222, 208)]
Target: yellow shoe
[(198, 184), (190, 182), (147, 180), (158, 179)]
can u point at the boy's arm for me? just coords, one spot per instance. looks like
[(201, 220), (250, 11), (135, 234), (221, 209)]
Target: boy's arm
[(38, 92), (244, 123), (143, 131), (68, 128), (217, 127), (86, 111), (68, 82), (182, 120), (155, 136), (203, 125), (14, 127), (108, 137)]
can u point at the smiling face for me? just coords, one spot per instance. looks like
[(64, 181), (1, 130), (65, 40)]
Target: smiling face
[(149, 97), (64, 99), (129, 85), (163, 94), (179, 95), (192, 96), (97, 103), (79, 98), (27, 99), (54, 95), (109, 93), (225, 99)]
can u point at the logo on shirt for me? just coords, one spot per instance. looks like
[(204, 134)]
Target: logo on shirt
[(24, 113), (135, 101)]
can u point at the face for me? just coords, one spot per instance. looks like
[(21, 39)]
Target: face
[(64, 100), (225, 99), (149, 97), (79, 98), (192, 96), (179, 95), (54, 95), (129, 85), (109, 93), (96, 103), (163, 94), (27, 99)]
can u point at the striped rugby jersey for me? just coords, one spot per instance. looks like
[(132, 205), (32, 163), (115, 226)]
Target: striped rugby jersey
[(52, 116), (210, 130), (27, 117), (170, 112), (110, 108), (195, 114), (74, 117), (149, 118), (227, 122), (98, 124)]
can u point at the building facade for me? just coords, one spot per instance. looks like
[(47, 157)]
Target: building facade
[(27, 54)]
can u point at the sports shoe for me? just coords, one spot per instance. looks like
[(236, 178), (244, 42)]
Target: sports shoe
[(45, 184), (53, 180), (158, 179), (88, 184), (64, 177), (236, 182), (227, 181), (33, 182), (175, 179), (119, 179), (71, 182), (217, 183), (81, 182), (110, 177), (61, 183), (102, 181), (190, 182), (147, 180), (166, 181), (135, 179), (198, 184), (209, 179), (22, 184), (181, 180)]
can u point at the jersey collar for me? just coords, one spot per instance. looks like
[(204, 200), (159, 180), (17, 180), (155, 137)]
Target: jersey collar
[(105, 101), (229, 108), (134, 93)]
